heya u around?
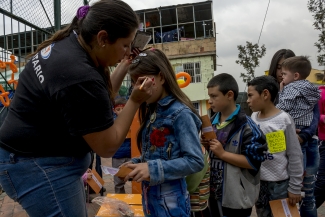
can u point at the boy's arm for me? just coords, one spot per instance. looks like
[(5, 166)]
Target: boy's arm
[(237, 160), (295, 159), (287, 99), (252, 148)]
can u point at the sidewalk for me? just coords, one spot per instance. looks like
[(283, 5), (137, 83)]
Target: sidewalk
[(9, 208)]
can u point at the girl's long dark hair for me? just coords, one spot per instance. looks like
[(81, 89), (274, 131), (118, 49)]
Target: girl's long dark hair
[(156, 61), (283, 53)]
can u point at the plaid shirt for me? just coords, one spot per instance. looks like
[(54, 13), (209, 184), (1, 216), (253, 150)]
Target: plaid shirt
[(298, 98)]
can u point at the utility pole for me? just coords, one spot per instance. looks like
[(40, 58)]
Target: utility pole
[(57, 14)]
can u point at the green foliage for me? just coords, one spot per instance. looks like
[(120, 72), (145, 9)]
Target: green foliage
[(249, 58), (317, 7)]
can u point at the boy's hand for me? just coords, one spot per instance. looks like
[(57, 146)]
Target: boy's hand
[(140, 172), (217, 148), (281, 85), (294, 198), (204, 142)]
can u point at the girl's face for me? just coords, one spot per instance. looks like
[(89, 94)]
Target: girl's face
[(158, 90), (279, 71)]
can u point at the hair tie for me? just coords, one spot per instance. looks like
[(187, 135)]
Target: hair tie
[(82, 11)]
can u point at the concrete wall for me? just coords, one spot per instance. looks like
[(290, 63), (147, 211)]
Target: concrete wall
[(187, 48)]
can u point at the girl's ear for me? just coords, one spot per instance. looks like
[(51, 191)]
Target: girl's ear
[(161, 78)]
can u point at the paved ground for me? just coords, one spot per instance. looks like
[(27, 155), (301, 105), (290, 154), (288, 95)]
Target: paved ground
[(9, 208)]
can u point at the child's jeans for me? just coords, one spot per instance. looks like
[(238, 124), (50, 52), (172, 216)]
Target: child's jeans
[(270, 191), (311, 155), (166, 200), (311, 163)]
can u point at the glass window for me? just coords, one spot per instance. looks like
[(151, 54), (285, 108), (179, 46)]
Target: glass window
[(168, 17), (204, 29), (202, 12), (185, 14), (141, 21), (152, 19), (208, 26), (187, 31), (199, 29), (197, 107), (194, 70), (169, 34)]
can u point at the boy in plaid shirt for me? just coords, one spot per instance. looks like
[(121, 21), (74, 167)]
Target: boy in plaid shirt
[(298, 96)]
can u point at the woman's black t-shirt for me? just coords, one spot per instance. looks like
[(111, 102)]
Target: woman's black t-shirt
[(60, 97)]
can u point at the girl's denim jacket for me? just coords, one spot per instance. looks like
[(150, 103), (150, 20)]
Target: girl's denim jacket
[(171, 143)]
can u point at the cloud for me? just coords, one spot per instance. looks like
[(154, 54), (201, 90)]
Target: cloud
[(288, 25)]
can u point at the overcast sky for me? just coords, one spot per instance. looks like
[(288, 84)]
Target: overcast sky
[(288, 25)]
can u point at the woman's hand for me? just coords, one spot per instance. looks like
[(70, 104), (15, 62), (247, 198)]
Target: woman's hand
[(134, 52), (140, 172), (140, 96)]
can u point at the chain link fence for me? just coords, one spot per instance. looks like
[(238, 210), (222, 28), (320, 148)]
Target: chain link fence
[(41, 12)]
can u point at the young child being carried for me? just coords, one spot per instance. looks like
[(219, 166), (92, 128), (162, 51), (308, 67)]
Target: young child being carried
[(236, 154), (168, 139), (282, 172), (123, 154), (297, 95)]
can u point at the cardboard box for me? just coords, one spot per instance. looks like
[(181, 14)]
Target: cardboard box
[(282, 208), (134, 200), (96, 182)]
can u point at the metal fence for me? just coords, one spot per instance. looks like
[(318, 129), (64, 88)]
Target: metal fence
[(24, 24)]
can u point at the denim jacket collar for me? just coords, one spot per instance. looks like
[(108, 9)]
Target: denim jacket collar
[(166, 100)]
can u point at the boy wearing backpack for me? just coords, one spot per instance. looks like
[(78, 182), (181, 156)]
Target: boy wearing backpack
[(236, 154)]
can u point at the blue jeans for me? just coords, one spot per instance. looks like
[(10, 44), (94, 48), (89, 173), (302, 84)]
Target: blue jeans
[(45, 186), (270, 191), (166, 200), (311, 157), (320, 182)]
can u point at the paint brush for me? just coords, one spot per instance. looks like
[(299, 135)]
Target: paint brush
[(143, 83)]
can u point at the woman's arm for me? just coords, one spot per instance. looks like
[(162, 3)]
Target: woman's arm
[(119, 74), (106, 142)]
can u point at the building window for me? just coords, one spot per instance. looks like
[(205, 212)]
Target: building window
[(197, 107), (194, 69)]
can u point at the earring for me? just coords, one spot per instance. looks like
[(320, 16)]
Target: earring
[(103, 45)]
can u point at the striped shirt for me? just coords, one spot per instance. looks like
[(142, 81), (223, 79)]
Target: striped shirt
[(298, 99)]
